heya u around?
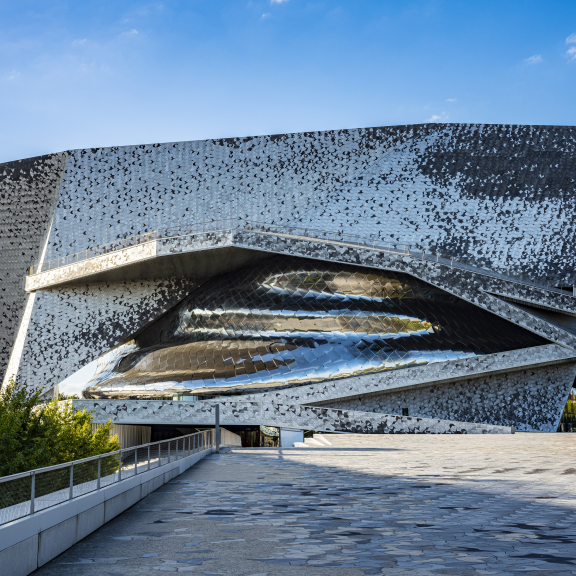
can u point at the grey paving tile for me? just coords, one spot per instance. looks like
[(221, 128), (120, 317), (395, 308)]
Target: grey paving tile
[(346, 511)]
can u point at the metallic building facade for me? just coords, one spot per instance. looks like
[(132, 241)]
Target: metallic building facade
[(472, 299), (295, 321)]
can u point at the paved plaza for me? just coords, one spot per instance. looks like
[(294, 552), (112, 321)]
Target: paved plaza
[(386, 504)]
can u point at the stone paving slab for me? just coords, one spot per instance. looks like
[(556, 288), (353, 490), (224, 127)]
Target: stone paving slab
[(397, 505)]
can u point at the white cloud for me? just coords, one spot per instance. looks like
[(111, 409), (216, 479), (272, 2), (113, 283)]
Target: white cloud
[(79, 42), (132, 32), (13, 75), (450, 99), (443, 117), (534, 59), (571, 52), (277, 1), (266, 15)]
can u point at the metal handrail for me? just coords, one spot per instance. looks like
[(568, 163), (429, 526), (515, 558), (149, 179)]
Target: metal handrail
[(58, 466), (238, 224), (129, 462)]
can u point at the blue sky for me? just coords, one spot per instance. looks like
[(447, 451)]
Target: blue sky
[(77, 74)]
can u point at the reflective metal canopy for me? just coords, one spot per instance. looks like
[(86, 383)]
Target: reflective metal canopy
[(288, 321)]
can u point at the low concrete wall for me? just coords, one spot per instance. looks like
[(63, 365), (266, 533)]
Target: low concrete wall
[(31, 542)]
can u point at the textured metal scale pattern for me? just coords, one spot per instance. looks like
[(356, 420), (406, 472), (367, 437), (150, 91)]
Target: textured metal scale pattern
[(502, 196), (28, 192), (292, 320)]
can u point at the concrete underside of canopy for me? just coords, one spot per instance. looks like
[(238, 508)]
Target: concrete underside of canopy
[(146, 262)]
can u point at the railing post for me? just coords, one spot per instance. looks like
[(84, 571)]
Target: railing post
[(217, 428), (168, 451), (120, 466), (32, 492), (135, 461), (99, 473), (148, 456), (71, 481)]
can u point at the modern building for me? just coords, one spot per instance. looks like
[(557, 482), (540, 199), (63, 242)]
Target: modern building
[(397, 279)]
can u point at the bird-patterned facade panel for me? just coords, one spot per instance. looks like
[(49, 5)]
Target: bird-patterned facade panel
[(70, 327), (150, 412), (28, 192), (502, 196), (531, 400)]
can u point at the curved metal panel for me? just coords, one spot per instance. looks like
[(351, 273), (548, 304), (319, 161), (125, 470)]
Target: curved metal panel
[(289, 321)]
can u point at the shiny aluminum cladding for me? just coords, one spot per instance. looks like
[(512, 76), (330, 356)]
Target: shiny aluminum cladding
[(289, 321)]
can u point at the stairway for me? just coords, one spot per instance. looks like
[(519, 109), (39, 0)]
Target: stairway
[(317, 441)]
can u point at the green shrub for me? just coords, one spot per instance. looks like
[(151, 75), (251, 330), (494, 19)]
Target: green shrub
[(569, 415), (35, 434)]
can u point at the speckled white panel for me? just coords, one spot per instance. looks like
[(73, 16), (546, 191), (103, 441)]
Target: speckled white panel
[(502, 195), (28, 192), (149, 412), (91, 266), (530, 400), (72, 326)]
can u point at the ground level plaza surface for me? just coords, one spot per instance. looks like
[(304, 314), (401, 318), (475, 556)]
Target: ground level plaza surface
[(404, 504)]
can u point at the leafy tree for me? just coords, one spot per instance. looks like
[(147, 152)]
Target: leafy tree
[(35, 434), (569, 414), (64, 397)]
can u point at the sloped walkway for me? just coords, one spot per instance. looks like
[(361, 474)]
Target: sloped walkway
[(398, 505)]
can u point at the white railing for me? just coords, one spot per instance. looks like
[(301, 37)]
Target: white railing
[(299, 232), (29, 492)]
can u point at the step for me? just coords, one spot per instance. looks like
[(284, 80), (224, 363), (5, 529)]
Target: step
[(322, 439)]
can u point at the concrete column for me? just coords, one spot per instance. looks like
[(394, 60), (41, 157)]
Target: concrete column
[(217, 428)]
